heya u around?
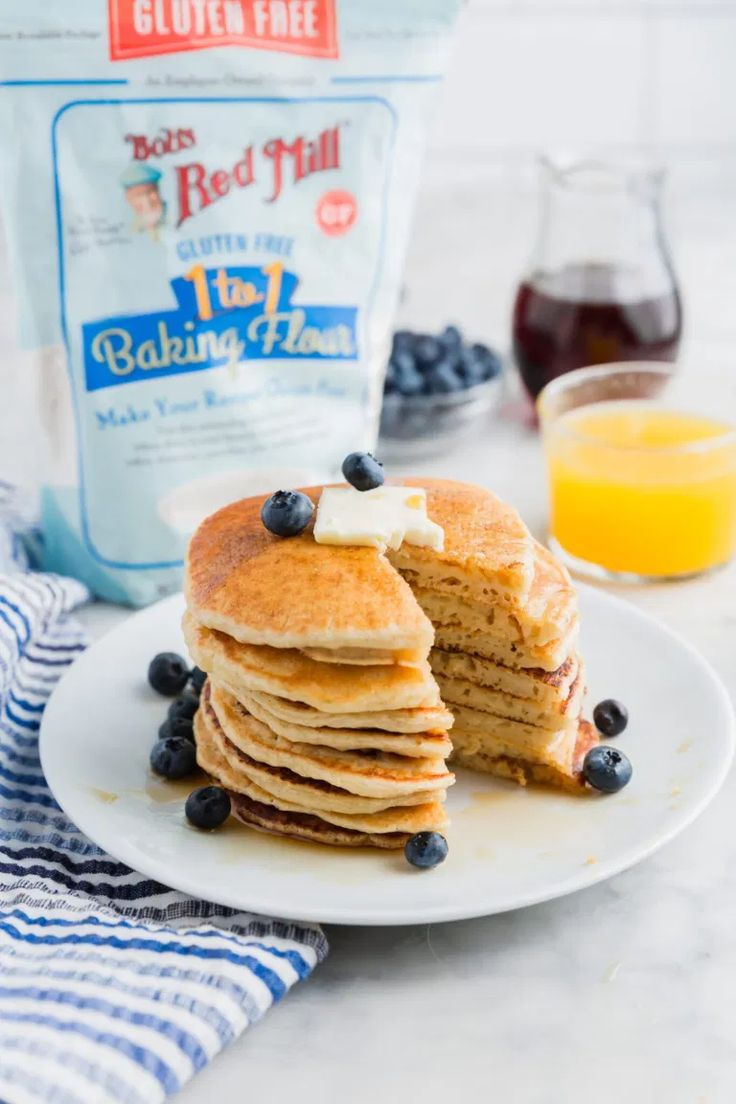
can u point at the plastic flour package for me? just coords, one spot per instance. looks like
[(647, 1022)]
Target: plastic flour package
[(207, 205)]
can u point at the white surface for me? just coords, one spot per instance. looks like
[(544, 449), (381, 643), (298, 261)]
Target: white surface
[(509, 847)]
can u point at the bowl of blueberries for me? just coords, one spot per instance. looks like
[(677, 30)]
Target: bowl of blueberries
[(436, 387)]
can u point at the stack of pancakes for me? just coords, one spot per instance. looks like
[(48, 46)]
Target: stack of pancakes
[(505, 654), (320, 715)]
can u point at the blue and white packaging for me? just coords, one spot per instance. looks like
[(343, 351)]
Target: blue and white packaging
[(207, 205)]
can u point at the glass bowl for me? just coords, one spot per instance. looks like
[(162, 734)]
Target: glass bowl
[(417, 425)]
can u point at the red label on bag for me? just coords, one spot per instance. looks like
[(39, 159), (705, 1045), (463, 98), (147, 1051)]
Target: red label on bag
[(144, 28)]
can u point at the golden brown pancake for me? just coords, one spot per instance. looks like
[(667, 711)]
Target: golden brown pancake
[(307, 827), (288, 673), (294, 593), (550, 689), (283, 812), (376, 774), (565, 775), (240, 774), (457, 691), (548, 657), (422, 745), (488, 551), (435, 721)]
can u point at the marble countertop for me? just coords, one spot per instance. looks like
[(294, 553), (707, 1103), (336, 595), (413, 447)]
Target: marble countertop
[(625, 990)]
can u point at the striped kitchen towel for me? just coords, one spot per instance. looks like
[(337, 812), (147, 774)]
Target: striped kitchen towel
[(112, 987)]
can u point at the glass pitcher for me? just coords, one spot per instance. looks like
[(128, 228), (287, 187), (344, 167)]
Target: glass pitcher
[(600, 286)]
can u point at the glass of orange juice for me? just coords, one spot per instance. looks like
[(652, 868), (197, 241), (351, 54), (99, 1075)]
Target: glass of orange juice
[(642, 484)]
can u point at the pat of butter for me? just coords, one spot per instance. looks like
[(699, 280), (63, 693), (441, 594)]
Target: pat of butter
[(381, 518)]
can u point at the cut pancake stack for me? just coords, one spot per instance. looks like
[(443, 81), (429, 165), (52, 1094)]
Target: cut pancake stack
[(328, 666), (320, 716), (506, 625)]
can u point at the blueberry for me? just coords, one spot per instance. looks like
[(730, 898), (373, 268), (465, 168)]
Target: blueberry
[(488, 361), (207, 807), (403, 362), (173, 757), (606, 769), (186, 705), (610, 717), (443, 379), (168, 673), (403, 339), (427, 350), (286, 513), (197, 679), (182, 726), (409, 382), (451, 337), (363, 471), (426, 849), (469, 368)]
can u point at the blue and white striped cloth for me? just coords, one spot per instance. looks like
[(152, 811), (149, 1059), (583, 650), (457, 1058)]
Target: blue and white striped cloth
[(113, 988)]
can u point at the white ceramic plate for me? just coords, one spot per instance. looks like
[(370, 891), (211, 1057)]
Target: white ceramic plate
[(509, 847)]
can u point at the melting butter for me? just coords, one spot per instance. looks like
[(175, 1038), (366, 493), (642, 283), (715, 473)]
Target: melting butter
[(381, 518)]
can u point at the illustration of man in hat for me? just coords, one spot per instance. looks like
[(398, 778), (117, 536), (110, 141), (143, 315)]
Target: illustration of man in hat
[(142, 193)]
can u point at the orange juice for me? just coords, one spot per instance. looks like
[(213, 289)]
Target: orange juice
[(642, 489)]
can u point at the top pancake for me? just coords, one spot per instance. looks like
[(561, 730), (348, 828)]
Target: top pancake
[(295, 593), (488, 551)]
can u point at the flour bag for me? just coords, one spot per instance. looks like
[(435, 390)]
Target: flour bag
[(207, 205)]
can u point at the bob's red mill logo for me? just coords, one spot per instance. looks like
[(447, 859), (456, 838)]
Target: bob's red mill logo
[(143, 28)]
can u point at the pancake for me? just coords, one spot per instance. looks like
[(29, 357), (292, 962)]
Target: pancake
[(294, 593), (476, 731), (548, 657), (418, 745), (371, 774), (239, 774), (307, 827), (488, 551), (288, 673), (554, 609), (549, 688), (259, 811), (565, 775), (434, 720), (481, 698)]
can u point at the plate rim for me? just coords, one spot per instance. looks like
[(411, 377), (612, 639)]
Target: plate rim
[(453, 911)]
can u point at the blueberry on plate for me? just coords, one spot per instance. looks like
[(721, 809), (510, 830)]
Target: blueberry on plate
[(207, 807), (606, 769), (173, 757), (426, 849), (286, 513), (197, 679), (610, 717), (168, 673), (363, 471), (427, 350), (443, 378), (186, 705), (182, 726)]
